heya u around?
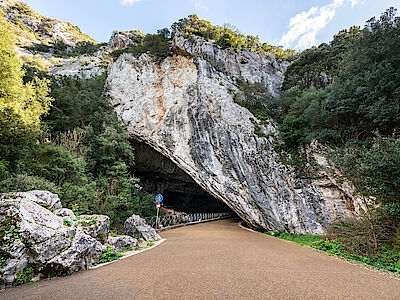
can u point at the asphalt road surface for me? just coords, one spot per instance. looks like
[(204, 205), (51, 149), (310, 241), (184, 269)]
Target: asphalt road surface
[(218, 260)]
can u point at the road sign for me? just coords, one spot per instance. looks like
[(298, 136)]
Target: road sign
[(159, 198)]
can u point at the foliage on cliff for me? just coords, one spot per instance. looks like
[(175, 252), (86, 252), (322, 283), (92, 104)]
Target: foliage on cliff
[(158, 45), (228, 36)]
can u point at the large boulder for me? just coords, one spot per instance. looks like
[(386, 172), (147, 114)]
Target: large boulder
[(184, 107), (31, 235), (84, 251), (97, 226), (43, 198), (122, 241), (135, 226)]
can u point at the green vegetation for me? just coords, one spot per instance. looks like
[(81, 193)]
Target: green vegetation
[(67, 222), (228, 36), (25, 277), (388, 260), (21, 104), (158, 45), (61, 135), (126, 249), (109, 256), (60, 49), (305, 71), (356, 111)]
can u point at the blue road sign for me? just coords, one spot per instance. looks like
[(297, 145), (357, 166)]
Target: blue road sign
[(159, 198)]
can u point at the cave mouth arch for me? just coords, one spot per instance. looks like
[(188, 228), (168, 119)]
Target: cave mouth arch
[(159, 174)]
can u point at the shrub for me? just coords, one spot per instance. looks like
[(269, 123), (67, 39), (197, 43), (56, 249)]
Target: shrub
[(109, 256), (25, 183), (25, 276), (368, 235), (155, 44)]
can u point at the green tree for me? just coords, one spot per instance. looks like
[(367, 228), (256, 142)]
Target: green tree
[(21, 104)]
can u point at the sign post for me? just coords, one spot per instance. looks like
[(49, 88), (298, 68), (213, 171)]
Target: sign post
[(159, 198)]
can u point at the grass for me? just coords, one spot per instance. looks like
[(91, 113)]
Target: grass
[(108, 256), (388, 260), (302, 239)]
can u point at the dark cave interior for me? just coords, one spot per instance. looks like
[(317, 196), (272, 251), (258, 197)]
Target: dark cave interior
[(158, 174)]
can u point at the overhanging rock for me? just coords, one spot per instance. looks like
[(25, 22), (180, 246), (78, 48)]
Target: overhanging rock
[(183, 107)]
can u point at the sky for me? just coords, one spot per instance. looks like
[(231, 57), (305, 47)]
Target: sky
[(294, 24)]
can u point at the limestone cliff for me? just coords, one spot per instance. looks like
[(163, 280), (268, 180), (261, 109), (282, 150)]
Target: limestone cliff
[(183, 107)]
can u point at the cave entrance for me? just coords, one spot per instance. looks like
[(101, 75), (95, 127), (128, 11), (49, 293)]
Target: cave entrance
[(159, 174)]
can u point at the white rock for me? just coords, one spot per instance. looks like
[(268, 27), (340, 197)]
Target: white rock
[(65, 213), (36, 236), (84, 251), (135, 226), (118, 242), (97, 226)]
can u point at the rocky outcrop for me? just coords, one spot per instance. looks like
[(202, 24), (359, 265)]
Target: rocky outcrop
[(135, 226), (33, 236), (122, 241), (31, 27), (43, 198), (184, 108), (233, 64), (97, 226), (122, 39)]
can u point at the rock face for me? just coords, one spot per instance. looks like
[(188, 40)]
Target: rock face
[(135, 226), (32, 235), (184, 108)]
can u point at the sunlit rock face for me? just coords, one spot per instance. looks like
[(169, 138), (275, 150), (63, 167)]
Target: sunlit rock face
[(183, 107)]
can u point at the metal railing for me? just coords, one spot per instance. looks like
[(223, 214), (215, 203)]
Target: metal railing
[(175, 220)]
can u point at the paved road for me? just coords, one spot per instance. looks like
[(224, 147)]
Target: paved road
[(218, 260)]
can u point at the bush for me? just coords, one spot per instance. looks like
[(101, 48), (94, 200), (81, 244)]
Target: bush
[(368, 235), (228, 36), (158, 45), (25, 183), (109, 256), (377, 171), (56, 164)]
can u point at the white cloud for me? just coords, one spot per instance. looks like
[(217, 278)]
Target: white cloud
[(304, 27), (355, 2), (129, 2), (200, 5)]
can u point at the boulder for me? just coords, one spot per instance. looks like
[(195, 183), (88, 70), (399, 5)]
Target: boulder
[(118, 242), (43, 198), (84, 251), (32, 235), (135, 226), (97, 226)]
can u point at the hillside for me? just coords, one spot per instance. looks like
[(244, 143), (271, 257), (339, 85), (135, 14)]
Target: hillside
[(303, 143), (31, 28)]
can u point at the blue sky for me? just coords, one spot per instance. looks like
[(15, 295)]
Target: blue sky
[(297, 24)]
